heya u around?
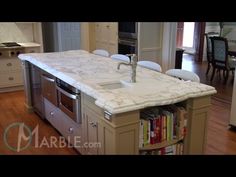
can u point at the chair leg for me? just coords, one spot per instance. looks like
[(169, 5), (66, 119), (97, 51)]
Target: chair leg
[(226, 77), (208, 68), (213, 73)]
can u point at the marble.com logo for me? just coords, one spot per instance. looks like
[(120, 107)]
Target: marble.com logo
[(21, 136), (25, 139)]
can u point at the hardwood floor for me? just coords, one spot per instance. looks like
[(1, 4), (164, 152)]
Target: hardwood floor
[(220, 139), (224, 91), (12, 110)]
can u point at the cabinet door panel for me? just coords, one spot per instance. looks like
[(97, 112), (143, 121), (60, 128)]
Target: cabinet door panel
[(92, 135), (106, 36)]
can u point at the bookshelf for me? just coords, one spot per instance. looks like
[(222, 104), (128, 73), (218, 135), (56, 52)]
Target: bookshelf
[(162, 128), (159, 145)]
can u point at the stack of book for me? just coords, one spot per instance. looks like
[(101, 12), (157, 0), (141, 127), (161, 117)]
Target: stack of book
[(162, 124)]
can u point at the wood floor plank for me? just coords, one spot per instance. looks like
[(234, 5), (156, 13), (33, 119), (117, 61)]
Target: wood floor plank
[(11, 111)]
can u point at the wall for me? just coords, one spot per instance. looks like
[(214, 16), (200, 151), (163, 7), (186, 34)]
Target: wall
[(16, 32)]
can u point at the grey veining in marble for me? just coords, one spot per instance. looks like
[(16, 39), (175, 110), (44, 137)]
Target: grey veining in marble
[(88, 72)]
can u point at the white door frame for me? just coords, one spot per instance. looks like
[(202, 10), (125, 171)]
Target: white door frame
[(169, 45)]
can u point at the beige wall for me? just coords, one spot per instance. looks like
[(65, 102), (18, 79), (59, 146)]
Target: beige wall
[(16, 32)]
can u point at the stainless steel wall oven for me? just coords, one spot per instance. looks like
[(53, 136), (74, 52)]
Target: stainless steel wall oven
[(127, 42)]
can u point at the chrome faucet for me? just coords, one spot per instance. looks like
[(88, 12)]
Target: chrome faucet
[(133, 64)]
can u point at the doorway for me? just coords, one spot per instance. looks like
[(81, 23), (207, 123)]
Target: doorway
[(190, 37)]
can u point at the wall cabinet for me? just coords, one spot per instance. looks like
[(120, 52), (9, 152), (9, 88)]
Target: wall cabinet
[(106, 36), (150, 41)]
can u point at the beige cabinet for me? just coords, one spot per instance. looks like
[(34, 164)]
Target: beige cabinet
[(11, 77), (118, 135), (32, 49), (150, 41), (91, 126), (106, 36)]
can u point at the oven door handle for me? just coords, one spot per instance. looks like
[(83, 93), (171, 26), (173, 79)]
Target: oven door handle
[(72, 96), (127, 42)]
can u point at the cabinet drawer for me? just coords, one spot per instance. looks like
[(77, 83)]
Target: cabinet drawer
[(11, 79), (7, 65), (72, 131), (67, 127), (32, 49), (52, 115)]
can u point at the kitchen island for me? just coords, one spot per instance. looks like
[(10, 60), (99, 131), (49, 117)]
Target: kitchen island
[(110, 104)]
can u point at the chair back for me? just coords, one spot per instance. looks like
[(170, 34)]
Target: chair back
[(120, 57), (150, 65), (208, 44), (101, 52), (219, 52), (183, 74)]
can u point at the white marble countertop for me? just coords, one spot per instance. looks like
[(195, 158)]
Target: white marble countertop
[(87, 72), (29, 44)]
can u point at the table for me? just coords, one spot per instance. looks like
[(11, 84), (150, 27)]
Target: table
[(232, 50)]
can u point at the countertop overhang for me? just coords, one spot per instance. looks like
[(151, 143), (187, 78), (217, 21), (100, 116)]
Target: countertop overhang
[(87, 72)]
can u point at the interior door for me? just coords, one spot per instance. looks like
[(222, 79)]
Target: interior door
[(68, 36), (199, 39)]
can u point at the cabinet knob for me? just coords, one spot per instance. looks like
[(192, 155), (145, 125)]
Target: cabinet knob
[(71, 130), (52, 113), (11, 78), (9, 64), (93, 124)]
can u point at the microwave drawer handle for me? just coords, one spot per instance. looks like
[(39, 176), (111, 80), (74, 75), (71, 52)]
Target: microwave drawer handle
[(74, 97), (48, 79)]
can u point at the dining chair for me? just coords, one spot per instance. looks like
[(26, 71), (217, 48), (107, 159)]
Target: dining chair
[(101, 52), (183, 74), (220, 58), (120, 57), (150, 65), (209, 49)]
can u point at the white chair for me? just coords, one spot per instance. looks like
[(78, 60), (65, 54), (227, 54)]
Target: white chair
[(150, 65), (101, 52), (120, 57), (183, 74)]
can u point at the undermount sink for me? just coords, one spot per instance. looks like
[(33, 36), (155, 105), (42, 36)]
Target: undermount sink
[(115, 85)]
